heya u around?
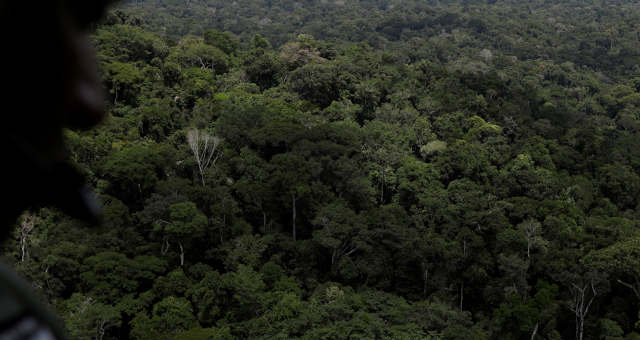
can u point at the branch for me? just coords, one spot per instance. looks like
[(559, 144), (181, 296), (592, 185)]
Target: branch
[(630, 286)]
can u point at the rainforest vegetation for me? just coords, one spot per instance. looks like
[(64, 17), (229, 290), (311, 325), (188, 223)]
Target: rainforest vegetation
[(354, 169)]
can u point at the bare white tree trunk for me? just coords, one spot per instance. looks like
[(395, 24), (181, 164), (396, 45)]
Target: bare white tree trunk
[(464, 248), (461, 294), (103, 325), (205, 150), (203, 65), (27, 225), (581, 304), (101, 328), (425, 278), (535, 331), (181, 254), (531, 230), (165, 246)]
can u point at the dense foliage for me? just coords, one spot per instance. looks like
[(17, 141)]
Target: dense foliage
[(355, 170)]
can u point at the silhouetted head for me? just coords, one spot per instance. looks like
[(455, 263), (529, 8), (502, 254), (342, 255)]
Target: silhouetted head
[(50, 83)]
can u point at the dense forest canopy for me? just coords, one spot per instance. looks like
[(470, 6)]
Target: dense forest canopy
[(341, 169), (579, 31)]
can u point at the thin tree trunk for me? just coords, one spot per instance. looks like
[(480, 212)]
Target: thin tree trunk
[(165, 246), (581, 306), (115, 90), (581, 335), (224, 224), (181, 254), (293, 202), (461, 294), (23, 248), (578, 327), (535, 331), (425, 279), (464, 248), (382, 188), (264, 221), (26, 227), (101, 329)]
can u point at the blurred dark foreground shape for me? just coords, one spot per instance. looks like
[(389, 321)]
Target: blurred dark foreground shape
[(50, 83)]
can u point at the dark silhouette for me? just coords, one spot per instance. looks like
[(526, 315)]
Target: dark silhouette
[(50, 83)]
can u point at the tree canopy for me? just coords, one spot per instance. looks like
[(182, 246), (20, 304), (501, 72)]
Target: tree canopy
[(381, 170)]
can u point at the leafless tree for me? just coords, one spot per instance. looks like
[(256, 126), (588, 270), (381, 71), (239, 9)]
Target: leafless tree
[(103, 325), (27, 225), (487, 55), (583, 297), (205, 150), (532, 230)]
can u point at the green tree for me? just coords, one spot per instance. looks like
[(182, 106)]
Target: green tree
[(620, 260), (291, 175), (133, 171), (124, 81), (341, 231), (109, 275), (186, 224), (222, 40), (169, 317), (87, 318)]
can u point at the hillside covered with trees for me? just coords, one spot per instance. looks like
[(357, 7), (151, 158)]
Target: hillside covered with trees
[(354, 169)]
